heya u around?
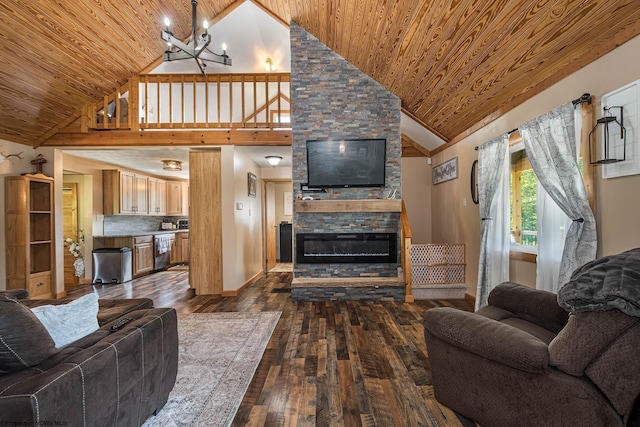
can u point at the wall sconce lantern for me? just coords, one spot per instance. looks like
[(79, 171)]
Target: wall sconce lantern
[(269, 65), (172, 165), (273, 160), (608, 120)]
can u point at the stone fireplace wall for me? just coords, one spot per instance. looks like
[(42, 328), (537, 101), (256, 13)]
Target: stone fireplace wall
[(332, 99)]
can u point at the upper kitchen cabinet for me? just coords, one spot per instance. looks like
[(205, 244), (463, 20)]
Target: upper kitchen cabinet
[(129, 193), (157, 196), (177, 198), (124, 193)]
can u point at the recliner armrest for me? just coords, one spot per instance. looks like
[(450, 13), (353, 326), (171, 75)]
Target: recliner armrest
[(533, 305), (488, 338)]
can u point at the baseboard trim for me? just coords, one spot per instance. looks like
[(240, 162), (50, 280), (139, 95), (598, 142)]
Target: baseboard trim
[(236, 292), (61, 294), (470, 298)]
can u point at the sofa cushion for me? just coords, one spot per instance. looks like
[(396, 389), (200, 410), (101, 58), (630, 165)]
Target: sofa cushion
[(533, 305), (586, 335), (109, 309), (615, 371), (24, 341), (70, 322)]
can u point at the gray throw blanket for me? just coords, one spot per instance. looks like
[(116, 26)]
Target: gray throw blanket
[(611, 282)]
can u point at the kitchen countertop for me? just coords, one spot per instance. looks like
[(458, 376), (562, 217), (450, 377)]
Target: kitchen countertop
[(143, 233)]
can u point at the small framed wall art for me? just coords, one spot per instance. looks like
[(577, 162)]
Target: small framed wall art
[(251, 184), (445, 171)]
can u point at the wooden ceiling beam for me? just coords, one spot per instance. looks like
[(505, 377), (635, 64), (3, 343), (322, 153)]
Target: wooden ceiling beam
[(411, 148), (115, 138)]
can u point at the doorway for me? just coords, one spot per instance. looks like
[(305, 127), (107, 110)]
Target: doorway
[(70, 229), (278, 212)]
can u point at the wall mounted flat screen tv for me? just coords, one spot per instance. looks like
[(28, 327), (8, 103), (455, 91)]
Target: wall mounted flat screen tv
[(346, 163)]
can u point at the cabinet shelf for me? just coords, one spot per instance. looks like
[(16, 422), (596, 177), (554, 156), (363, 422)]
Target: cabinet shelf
[(29, 231)]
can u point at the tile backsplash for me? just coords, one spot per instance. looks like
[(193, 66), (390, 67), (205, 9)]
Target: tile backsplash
[(124, 224)]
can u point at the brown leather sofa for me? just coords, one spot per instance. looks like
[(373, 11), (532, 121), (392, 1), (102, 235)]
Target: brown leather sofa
[(109, 377), (523, 360)]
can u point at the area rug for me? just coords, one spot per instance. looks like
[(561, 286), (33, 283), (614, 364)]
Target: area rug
[(218, 355)]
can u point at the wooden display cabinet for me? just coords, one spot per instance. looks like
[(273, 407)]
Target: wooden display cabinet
[(29, 234)]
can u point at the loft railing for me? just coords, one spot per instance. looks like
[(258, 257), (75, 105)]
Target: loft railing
[(168, 101), (405, 238)]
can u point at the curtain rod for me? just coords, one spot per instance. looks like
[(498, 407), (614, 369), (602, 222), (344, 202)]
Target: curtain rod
[(586, 97)]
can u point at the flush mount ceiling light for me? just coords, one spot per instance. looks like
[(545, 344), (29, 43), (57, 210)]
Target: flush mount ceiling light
[(269, 65), (172, 165), (196, 48), (273, 160)]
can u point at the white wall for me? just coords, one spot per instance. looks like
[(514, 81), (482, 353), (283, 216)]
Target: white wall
[(617, 202), (416, 193), (11, 166), (242, 229)]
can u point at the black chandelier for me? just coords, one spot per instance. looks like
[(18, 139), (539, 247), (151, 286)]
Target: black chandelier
[(177, 49)]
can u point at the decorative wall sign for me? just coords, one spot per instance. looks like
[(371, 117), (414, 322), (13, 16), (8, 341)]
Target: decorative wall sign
[(252, 183), (445, 171)]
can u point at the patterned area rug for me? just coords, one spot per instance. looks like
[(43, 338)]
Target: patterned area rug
[(218, 355)]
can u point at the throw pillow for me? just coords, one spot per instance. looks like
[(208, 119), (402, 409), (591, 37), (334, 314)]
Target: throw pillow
[(24, 341), (69, 322)]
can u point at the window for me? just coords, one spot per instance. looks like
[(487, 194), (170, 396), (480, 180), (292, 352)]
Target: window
[(523, 202), (524, 199)]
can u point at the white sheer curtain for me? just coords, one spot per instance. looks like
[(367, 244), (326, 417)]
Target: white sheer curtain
[(551, 144), (493, 193), (552, 226)]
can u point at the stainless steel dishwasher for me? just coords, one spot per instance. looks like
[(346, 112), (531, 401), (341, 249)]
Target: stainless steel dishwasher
[(161, 251)]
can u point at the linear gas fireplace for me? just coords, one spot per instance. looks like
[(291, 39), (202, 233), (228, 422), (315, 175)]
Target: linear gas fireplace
[(318, 248)]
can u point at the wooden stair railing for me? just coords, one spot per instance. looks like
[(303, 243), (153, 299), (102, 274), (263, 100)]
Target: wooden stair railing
[(185, 101), (405, 236)]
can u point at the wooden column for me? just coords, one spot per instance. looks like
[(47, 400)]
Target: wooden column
[(588, 170), (205, 222)]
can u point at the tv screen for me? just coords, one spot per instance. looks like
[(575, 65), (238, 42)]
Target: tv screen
[(346, 163)]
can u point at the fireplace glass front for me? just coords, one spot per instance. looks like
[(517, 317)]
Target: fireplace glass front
[(316, 248)]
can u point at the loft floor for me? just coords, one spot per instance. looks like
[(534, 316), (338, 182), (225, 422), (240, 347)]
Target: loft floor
[(327, 364)]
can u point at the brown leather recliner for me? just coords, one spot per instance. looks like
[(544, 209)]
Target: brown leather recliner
[(523, 360)]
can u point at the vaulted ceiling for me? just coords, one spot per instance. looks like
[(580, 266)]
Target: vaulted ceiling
[(456, 64)]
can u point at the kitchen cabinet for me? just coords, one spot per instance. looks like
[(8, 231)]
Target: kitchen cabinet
[(174, 257), (29, 234), (157, 196), (142, 255), (184, 247), (175, 205), (124, 193), (129, 193)]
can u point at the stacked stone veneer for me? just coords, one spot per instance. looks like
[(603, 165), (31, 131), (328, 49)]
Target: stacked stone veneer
[(332, 99)]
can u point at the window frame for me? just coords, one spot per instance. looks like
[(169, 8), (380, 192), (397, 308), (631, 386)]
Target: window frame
[(517, 144)]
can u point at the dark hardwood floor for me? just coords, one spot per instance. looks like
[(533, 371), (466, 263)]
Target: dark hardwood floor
[(327, 364)]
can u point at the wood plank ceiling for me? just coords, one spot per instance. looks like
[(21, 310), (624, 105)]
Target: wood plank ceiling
[(456, 65)]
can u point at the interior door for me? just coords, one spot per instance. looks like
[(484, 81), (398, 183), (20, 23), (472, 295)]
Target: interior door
[(270, 224), (70, 229)]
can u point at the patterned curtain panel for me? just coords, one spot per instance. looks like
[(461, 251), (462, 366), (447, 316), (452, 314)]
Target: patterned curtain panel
[(550, 143), (493, 193)]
